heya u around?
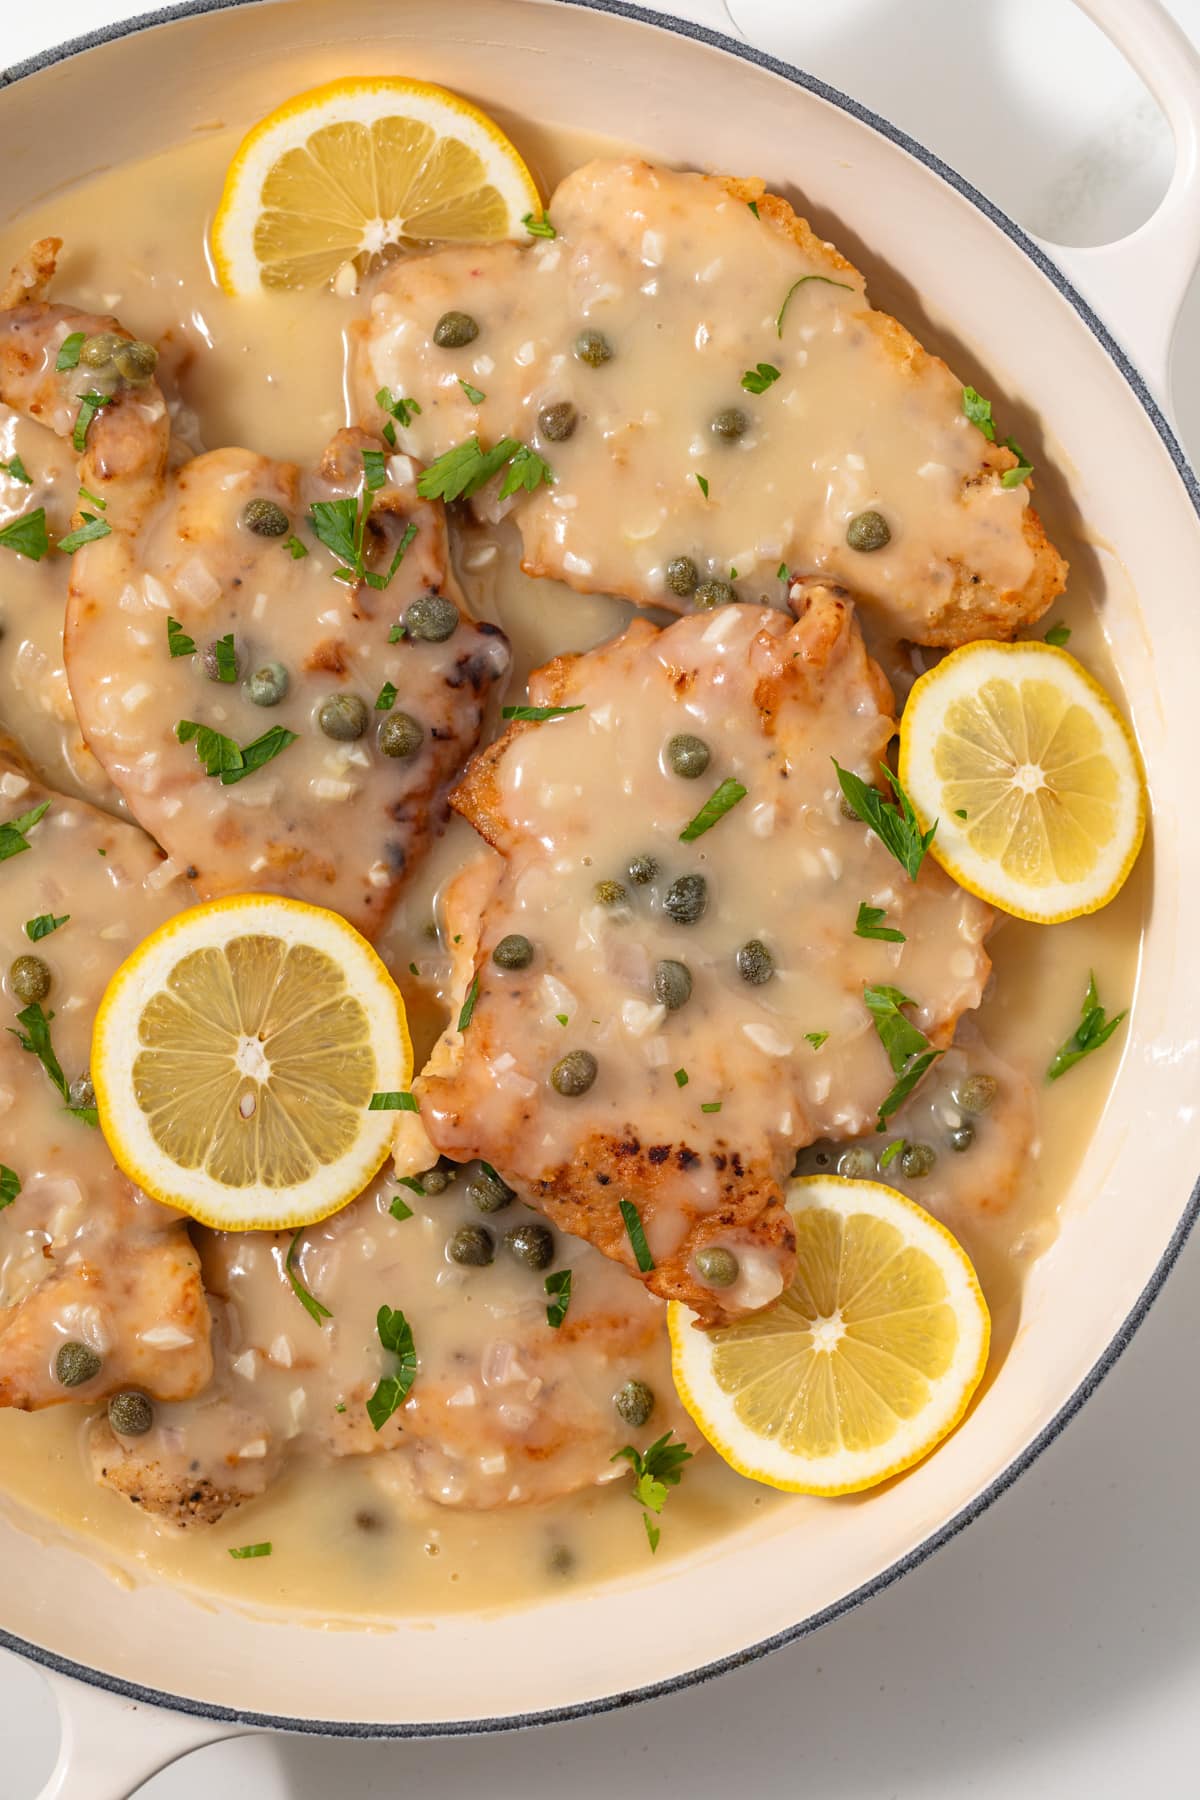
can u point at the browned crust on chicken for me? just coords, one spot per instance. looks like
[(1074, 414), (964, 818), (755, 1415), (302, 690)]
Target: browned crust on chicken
[(162, 1485)]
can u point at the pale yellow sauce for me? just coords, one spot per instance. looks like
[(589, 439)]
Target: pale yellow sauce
[(379, 1535)]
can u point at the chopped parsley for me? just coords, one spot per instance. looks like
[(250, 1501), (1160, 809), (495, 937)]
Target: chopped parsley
[(412, 1184), (374, 470), (753, 205), (297, 548), (710, 1106), (10, 1185), (1058, 635), (93, 499), (1093, 1030), (636, 1233), (466, 468), (27, 534), (246, 1552), (758, 379), (403, 411), (827, 279), (386, 697), (14, 834), (89, 405), (224, 759), (536, 715), (869, 924), (558, 1291), (538, 227), (702, 484), (475, 395), (893, 1151), (308, 1301), (15, 468), (816, 1038), (979, 411), (896, 826), (87, 533), (715, 807), (783, 573), (681, 1078), (563, 1019), (43, 925), (393, 1101), (68, 351), (655, 1471), (225, 657), (341, 526), (907, 1047), (1012, 478), (400, 1209), (395, 1334), (468, 1006), (35, 1038)]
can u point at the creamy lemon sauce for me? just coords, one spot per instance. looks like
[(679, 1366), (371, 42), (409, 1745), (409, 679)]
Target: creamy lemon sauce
[(394, 1531)]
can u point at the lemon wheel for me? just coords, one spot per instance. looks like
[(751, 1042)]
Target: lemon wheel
[(234, 1058), (348, 172), (865, 1362), (1032, 776)]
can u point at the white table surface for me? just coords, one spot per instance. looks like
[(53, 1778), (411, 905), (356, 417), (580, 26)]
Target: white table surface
[(1054, 1648)]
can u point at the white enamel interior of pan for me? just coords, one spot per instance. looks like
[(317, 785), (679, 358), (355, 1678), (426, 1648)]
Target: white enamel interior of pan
[(967, 290)]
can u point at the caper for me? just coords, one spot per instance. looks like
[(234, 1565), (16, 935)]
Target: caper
[(130, 1413), (574, 1073), (642, 870), (75, 1364), (686, 899), (210, 663), (558, 422), (634, 1402), (135, 362), (435, 1180), (593, 348), (487, 1193), (688, 756), (916, 1161), (344, 717), (610, 893), (81, 1092), (713, 592), (560, 1561), (682, 576), (755, 963), (531, 1243), (730, 423), (472, 1246), (98, 351), (400, 735), (431, 619), (672, 985), (454, 329), (265, 519), (716, 1266), (513, 952), (857, 1163), (268, 685), (868, 531), (963, 1136), (977, 1093), (29, 978)]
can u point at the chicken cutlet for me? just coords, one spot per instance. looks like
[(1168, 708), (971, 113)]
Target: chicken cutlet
[(659, 980), (717, 404)]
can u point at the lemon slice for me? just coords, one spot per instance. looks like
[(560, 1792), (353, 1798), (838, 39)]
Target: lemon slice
[(863, 1364), (234, 1058), (346, 173), (1032, 776)]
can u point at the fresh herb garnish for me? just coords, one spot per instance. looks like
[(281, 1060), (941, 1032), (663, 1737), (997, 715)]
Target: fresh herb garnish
[(526, 470), (538, 227), (386, 697), (27, 534), (1058, 635), (1012, 478), (536, 715), (395, 1334), (400, 1209), (564, 1019), (907, 1046), (783, 573), (979, 411), (10, 1185), (87, 533), (297, 548), (655, 1471), (960, 812), (815, 1038), (869, 925), (1092, 1031), (341, 526), (374, 470), (228, 761), (758, 379), (894, 825), (309, 1302), (89, 405), (14, 833), (636, 1233), (681, 1078), (715, 807), (702, 484), (827, 279), (16, 468), (225, 657), (43, 925), (475, 395), (753, 205), (412, 1184), (178, 641), (245, 1552), (35, 1038), (68, 351), (892, 1152), (466, 468), (93, 499), (710, 1106), (558, 1290), (401, 410), (468, 1006), (393, 1101)]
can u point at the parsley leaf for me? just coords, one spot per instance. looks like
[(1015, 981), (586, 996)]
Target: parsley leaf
[(828, 281), (895, 826), (225, 657), (393, 1101), (753, 205), (246, 1552), (374, 469), (400, 410), (815, 1038), (527, 470), (35, 1038), (93, 499), (89, 406), (261, 751), (386, 697), (68, 351), (558, 1290), (655, 1471), (15, 468), (681, 1078), (309, 1302), (395, 1334), (702, 484), (400, 1209), (893, 1151), (758, 379), (536, 714), (1012, 478), (636, 1232), (178, 641), (906, 1045), (297, 548), (87, 533), (43, 925), (715, 807), (710, 1106), (475, 395), (335, 524), (224, 759), (10, 1185), (468, 1005), (1093, 1030), (1058, 635), (868, 925), (466, 468), (538, 227), (979, 411), (27, 534), (14, 833)]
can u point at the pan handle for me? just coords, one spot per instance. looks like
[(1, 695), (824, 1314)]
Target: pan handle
[(1138, 284), (110, 1746)]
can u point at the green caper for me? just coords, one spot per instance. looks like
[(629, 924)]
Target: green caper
[(135, 362), (610, 893), (98, 351), (686, 899), (868, 531), (713, 592), (210, 664), (400, 735), (681, 576), (454, 330), (730, 423), (688, 756), (916, 1161), (513, 952), (963, 1136), (268, 685), (857, 1163), (642, 870), (755, 963), (81, 1092), (531, 1243), (431, 619), (130, 1413), (488, 1193), (593, 348), (672, 985), (977, 1093), (472, 1246), (435, 1180), (29, 978), (265, 519), (76, 1364), (558, 422), (343, 717), (634, 1403), (574, 1073), (716, 1266)]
